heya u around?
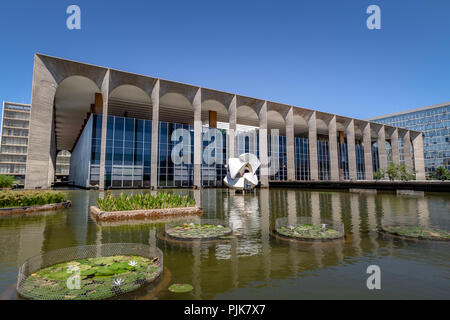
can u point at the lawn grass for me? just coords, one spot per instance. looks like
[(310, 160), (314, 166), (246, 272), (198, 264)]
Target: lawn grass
[(145, 201), (12, 199)]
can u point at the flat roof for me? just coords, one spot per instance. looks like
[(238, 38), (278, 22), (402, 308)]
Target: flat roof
[(434, 106), (218, 91)]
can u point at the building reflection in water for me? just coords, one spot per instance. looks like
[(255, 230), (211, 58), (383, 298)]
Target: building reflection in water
[(252, 256)]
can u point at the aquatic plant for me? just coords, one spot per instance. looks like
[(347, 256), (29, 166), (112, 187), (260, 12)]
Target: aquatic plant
[(198, 231), (100, 278), (9, 198), (418, 232), (161, 200), (309, 232), (180, 288)]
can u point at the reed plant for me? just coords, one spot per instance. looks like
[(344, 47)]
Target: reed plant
[(145, 201), (25, 198)]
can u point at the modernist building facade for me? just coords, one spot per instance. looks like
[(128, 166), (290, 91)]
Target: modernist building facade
[(126, 130), (434, 122), (14, 139)]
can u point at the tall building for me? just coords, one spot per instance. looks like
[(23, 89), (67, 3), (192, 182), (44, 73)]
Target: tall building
[(14, 139), (62, 165), (434, 122), (126, 130)]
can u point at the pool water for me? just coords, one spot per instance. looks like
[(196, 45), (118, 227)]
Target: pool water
[(255, 265)]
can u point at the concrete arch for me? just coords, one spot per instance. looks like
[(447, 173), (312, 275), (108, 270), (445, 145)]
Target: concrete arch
[(172, 103), (322, 127), (130, 101), (119, 79), (276, 120), (72, 104), (246, 115), (63, 69), (217, 106), (300, 125)]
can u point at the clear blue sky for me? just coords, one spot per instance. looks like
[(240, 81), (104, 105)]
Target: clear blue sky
[(314, 54)]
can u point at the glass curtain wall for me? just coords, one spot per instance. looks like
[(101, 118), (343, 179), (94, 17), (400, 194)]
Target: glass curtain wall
[(323, 155), (360, 167), (179, 139), (277, 170), (388, 152), (128, 152), (343, 159), (214, 157), (301, 158), (375, 157)]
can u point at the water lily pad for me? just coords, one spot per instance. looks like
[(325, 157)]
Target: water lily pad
[(309, 232), (98, 278), (180, 287), (419, 232), (198, 231)]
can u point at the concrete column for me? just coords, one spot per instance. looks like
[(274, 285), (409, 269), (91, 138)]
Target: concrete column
[(382, 155), (312, 142), (155, 136), (367, 143), (105, 97), (232, 120), (419, 161), (407, 150), (38, 168), (332, 143), (350, 133), (263, 156), (290, 144), (197, 104), (394, 146)]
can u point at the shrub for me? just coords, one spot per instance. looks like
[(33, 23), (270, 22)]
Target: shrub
[(11, 198), (441, 173), (144, 201), (6, 181), (405, 174), (395, 172), (379, 175)]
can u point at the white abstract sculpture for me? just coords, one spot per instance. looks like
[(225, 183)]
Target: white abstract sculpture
[(242, 172)]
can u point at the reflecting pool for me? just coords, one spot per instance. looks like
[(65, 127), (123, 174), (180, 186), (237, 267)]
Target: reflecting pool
[(255, 265)]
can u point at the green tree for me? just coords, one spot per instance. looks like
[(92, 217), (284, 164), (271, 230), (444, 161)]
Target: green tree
[(405, 174), (380, 174), (392, 172), (6, 181), (441, 173), (395, 172)]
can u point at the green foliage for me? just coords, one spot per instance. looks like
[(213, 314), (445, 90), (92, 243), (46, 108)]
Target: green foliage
[(441, 173), (144, 201), (180, 287), (405, 174), (419, 232), (392, 172), (379, 175), (395, 172), (7, 181), (309, 231), (9, 199), (198, 231), (100, 278)]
